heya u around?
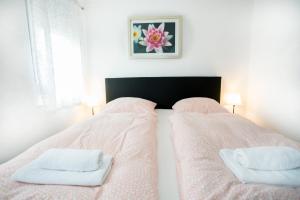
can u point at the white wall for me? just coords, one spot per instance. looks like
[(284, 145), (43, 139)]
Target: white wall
[(216, 36), (274, 78), (22, 123)]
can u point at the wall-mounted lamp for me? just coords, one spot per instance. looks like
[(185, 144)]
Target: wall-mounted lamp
[(233, 99)]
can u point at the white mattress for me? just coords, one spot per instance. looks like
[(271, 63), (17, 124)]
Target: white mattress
[(168, 187)]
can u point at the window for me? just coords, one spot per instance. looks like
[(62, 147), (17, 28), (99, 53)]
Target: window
[(55, 33)]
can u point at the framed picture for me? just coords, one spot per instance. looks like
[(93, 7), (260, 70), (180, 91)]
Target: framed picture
[(155, 37)]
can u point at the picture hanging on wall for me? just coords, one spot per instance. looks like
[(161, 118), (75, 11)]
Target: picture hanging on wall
[(155, 37)]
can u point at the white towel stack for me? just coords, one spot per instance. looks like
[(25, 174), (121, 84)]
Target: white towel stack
[(268, 165), (71, 160), (66, 167)]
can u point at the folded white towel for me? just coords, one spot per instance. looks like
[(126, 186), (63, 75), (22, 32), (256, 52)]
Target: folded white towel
[(71, 160), (31, 173), (245, 175), (268, 158)]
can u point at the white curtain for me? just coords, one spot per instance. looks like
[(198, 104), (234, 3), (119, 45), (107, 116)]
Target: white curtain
[(55, 33)]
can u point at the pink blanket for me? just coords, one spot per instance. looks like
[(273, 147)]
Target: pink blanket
[(202, 174), (129, 138)]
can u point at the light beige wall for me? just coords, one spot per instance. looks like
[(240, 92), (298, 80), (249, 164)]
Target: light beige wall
[(274, 77), (22, 123), (216, 36)]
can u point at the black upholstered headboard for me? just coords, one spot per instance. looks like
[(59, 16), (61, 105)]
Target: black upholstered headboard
[(165, 91)]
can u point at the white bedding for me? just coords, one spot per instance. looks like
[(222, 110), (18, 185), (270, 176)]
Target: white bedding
[(167, 185), (129, 137), (127, 164)]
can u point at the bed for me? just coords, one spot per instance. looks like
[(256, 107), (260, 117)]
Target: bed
[(128, 137), (160, 154), (143, 165), (202, 174), (165, 91)]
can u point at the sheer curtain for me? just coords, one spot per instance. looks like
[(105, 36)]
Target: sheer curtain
[(55, 33)]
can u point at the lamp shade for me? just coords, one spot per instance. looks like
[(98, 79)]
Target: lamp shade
[(233, 99), (91, 101)]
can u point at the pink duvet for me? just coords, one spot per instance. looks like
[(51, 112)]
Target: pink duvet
[(202, 174), (128, 137)]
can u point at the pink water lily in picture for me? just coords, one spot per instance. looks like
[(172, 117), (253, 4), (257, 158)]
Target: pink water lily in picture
[(156, 38)]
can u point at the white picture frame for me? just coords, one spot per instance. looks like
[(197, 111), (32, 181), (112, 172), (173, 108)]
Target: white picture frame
[(155, 37)]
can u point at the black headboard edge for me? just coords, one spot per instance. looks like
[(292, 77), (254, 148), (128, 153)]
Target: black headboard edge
[(165, 91)]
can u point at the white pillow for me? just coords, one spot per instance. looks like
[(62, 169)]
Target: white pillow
[(129, 104), (198, 104)]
